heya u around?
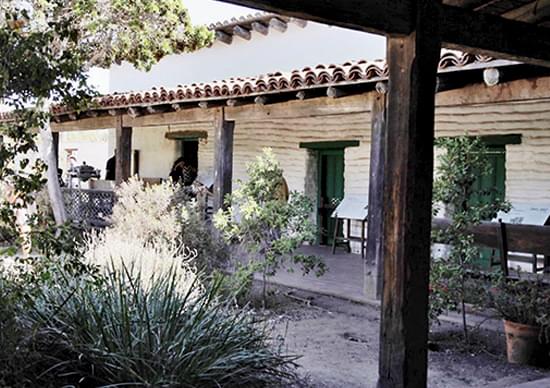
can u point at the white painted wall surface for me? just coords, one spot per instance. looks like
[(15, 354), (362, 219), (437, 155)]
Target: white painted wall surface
[(296, 48)]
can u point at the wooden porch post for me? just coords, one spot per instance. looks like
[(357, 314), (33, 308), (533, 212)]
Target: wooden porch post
[(223, 164), (123, 152), (375, 225), (55, 145), (413, 61)]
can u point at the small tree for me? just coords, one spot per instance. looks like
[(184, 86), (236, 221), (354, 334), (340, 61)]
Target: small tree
[(48, 47), (463, 161), (269, 227)]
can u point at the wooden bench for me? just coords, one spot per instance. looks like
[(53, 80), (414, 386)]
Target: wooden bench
[(531, 239)]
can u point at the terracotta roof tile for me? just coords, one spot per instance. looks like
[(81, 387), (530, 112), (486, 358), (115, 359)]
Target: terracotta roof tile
[(323, 75)]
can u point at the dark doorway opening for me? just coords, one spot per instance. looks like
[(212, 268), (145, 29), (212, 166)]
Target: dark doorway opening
[(190, 152)]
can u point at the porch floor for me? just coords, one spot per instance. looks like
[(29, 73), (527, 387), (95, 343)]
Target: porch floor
[(343, 279)]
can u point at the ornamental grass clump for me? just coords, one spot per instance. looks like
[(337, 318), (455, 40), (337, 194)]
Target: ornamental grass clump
[(118, 329)]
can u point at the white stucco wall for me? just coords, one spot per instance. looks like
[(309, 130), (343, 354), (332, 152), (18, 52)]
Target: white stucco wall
[(296, 48)]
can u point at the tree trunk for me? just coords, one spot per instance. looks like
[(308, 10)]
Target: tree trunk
[(54, 190)]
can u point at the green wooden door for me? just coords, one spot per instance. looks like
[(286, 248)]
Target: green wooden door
[(331, 190), (492, 186)]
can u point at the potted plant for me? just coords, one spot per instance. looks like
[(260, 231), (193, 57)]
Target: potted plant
[(524, 305)]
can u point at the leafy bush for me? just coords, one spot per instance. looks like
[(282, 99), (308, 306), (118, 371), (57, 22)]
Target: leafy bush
[(122, 329), (163, 217), (464, 160), (524, 301), (269, 227)]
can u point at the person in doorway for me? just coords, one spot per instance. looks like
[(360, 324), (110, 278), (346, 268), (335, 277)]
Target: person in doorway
[(110, 168), (183, 173)]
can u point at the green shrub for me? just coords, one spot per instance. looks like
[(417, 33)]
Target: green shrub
[(164, 215), (269, 227), (463, 161), (120, 329)]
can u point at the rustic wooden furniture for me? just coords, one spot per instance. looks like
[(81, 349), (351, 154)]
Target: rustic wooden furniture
[(527, 214)]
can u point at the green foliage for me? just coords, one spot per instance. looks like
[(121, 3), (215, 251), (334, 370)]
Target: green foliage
[(118, 329), (270, 228), (164, 216), (463, 159), (521, 300), (197, 234), (48, 46)]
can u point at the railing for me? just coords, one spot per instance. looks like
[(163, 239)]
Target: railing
[(531, 239), (89, 207)]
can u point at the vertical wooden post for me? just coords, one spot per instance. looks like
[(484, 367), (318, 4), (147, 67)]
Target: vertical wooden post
[(223, 164), (55, 145), (123, 152), (375, 225), (408, 181)]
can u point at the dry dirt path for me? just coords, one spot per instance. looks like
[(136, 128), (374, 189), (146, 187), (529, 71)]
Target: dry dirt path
[(338, 342)]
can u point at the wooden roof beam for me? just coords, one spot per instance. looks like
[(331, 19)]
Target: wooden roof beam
[(242, 32), (260, 28), (374, 16), (460, 28), (535, 12), (278, 24), (224, 37), (495, 36)]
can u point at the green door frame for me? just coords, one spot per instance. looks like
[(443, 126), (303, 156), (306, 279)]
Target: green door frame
[(332, 185)]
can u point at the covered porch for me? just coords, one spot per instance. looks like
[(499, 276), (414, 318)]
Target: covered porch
[(400, 186)]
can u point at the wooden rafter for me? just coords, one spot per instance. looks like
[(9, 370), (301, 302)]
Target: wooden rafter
[(461, 27)]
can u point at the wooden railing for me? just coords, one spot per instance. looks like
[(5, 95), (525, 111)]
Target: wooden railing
[(531, 239)]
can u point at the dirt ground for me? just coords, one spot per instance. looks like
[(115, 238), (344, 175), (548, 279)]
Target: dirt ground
[(338, 344)]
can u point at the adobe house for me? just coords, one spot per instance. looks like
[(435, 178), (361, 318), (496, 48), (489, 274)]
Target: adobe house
[(321, 122), (400, 125)]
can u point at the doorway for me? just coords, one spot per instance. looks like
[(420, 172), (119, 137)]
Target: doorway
[(190, 152), (330, 190)]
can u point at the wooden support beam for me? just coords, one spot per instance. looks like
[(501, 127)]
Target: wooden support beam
[(261, 100), (408, 180), (495, 36), (224, 37), (123, 152), (278, 24), (152, 110), (91, 123), (534, 12), (260, 28), (133, 112), (223, 163), (334, 92), (460, 28), (374, 16), (55, 147), (233, 102), (299, 22), (242, 33), (375, 225), (301, 95)]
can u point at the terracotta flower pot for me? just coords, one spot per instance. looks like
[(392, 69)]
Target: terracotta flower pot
[(523, 345)]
